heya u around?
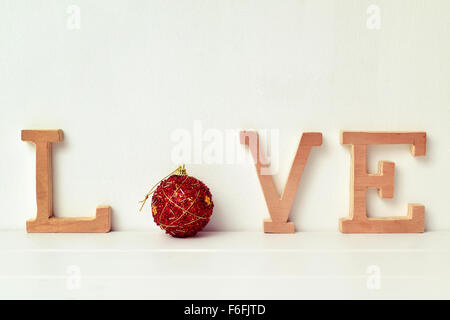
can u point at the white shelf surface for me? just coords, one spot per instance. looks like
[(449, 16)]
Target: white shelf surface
[(224, 265)]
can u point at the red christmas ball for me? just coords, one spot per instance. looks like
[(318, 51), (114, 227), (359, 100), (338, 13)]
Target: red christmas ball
[(182, 205)]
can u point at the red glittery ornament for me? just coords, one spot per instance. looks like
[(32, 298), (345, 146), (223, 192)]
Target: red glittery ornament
[(182, 205)]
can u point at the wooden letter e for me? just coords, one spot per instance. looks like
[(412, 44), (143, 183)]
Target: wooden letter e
[(383, 180)]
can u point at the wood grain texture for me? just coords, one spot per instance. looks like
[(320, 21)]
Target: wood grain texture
[(45, 221), (358, 220), (280, 206)]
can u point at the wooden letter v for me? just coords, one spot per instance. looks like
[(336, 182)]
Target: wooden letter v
[(280, 207)]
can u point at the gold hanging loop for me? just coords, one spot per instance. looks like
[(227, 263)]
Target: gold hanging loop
[(180, 171)]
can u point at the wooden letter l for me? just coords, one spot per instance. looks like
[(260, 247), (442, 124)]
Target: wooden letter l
[(45, 221)]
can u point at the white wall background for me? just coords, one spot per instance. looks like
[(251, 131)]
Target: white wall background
[(138, 70)]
